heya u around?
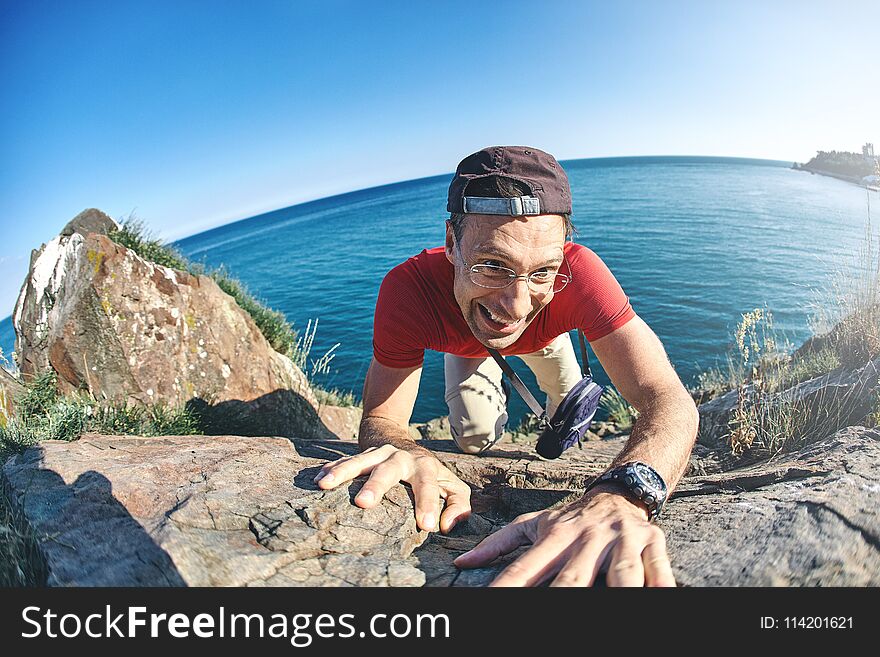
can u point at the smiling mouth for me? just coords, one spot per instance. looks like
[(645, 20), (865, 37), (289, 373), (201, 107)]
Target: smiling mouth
[(499, 323)]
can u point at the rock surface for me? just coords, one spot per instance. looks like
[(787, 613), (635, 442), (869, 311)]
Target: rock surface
[(123, 328), (244, 511), (90, 220), (342, 421), (809, 518), (204, 511)]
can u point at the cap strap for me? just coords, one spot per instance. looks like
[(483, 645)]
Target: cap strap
[(518, 205)]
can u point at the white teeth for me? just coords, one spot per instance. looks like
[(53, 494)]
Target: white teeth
[(502, 321)]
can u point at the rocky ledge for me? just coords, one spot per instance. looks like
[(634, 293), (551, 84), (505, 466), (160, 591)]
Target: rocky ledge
[(239, 511)]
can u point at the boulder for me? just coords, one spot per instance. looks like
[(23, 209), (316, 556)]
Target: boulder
[(809, 518), (88, 221), (342, 421), (204, 511), (123, 328)]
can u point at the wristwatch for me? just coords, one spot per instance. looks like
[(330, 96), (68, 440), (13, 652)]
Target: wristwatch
[(641, 481)]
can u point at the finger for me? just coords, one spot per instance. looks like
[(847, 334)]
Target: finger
[(427, 494), (383, 477), (541, 561), (349, 467), (458, 508), (584, 564), (505, 540), (626, 567), (658, 570)]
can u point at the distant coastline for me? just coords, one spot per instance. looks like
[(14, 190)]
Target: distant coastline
[(861, 169)]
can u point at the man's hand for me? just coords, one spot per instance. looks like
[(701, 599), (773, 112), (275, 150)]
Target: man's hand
[(430, 481), (573, 544)]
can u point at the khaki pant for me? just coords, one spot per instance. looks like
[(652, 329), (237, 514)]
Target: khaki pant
[(477, 413)]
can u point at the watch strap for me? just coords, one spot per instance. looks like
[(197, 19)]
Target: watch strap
[(624, 476)]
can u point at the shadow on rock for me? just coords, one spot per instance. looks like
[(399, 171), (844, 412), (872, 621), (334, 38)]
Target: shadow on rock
[(85, 513), (305, 478), (279, 413), (449, 447)]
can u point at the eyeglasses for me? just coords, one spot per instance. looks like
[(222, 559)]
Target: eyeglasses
[(495, 277)]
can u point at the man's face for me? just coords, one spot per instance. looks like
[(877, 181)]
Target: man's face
[(497, 317)]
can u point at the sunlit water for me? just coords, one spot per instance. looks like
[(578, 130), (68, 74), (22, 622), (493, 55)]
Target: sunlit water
[(694, 242)]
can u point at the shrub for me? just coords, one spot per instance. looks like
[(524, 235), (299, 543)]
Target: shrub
[(133, 234), (619, 410), (527, 429), (21, 563), (768, 417), (43, 414), (335, 397), (271, 323)]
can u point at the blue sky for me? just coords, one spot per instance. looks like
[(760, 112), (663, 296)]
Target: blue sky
[(194, 114)]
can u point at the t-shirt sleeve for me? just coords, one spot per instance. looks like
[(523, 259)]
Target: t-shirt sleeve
[(606, 306), (398, 338)]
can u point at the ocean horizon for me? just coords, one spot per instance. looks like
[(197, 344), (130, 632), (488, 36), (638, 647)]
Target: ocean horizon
[(695, 241)]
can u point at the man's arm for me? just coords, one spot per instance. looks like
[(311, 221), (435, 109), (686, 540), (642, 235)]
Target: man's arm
[(664, 435), (388, 401), (390, 455), (573, 543)]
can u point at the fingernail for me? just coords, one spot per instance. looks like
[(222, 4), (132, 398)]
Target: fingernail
[(461, 556), (327, 478), (366, 496), (429, 521)]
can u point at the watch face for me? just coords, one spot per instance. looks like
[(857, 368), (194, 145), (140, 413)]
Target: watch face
[(648, 476)]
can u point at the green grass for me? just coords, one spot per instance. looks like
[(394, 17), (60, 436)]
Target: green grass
[(619, 410), (43, 414), (21, 563), (335, 397), (272, 323), (873, 419), (134, 234), (527, 430), (768, 419)]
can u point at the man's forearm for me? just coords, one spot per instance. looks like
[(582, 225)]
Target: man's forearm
[(378, 431), (663, 436)]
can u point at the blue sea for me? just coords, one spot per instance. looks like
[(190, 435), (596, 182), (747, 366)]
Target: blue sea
[(694, 241)]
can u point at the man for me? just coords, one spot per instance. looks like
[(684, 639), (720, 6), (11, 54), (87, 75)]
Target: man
[(508, 279)]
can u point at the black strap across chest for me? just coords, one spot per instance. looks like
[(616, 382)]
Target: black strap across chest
[(521, 388)]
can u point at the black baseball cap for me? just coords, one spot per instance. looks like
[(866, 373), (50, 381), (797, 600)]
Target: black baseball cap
[(544, 176)]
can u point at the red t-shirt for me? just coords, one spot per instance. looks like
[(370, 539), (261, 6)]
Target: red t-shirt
[(416, 310)]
